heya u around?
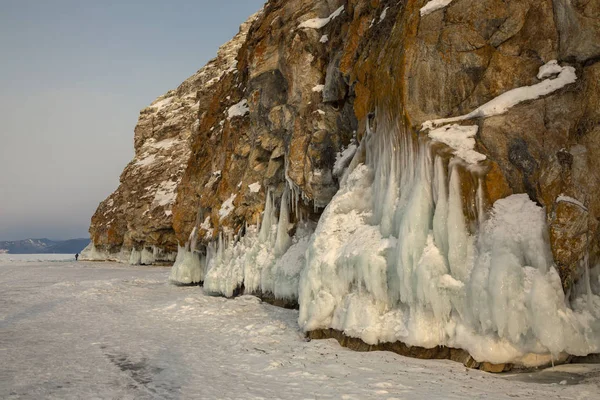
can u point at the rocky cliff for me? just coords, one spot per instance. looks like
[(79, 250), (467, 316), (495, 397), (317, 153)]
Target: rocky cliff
[(407, 171)]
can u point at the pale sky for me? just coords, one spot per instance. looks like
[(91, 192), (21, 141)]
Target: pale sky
[(73, 76)]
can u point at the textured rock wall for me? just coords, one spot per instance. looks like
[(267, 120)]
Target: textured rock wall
[(300, 93), (299, 115), (139, 214)]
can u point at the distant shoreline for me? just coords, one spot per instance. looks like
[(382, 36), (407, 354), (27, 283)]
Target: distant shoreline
[(43, 246)]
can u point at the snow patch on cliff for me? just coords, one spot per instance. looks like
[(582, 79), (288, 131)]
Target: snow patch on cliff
[(238, 110), (254, 187), (383, 14), (434, 5), (549, 69), (146, 160), (227, 207), (461, 139), (318, 23), (165, 193), (160, 104), (568, 199), (511, 98)]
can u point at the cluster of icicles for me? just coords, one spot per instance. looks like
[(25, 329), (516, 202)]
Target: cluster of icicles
[(143, 256), (393, 258)]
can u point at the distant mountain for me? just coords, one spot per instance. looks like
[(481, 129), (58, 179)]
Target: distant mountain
[(27, 246), (68, 246), (43, 246)]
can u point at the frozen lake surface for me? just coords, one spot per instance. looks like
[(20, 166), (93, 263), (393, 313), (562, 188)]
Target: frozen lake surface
[(107, 331)]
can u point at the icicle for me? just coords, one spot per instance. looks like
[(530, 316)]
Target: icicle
[(440, 217), (220, 247), (458, 237), (268, 218), (192, 240), (147, 257), (480, 202), (585, 263), (136, 257), (414, 224), (283, 241), (258, 222)]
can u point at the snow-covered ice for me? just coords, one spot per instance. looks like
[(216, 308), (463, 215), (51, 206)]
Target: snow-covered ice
[(260, 259), (105, 331)]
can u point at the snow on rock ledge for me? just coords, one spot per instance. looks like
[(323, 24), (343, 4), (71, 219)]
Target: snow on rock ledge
[(434, 5), (461, 139), (511, 98), (318, 23)]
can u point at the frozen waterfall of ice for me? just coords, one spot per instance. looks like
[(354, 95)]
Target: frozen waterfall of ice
[(265, 259), (393, 258), (189, 265)]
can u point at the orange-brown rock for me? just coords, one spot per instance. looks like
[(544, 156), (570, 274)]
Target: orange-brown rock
[(281, 100)]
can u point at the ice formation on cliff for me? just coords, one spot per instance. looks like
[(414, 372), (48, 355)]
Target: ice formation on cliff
[(393, 258), (145, 256), (265, 259), (189, 264)]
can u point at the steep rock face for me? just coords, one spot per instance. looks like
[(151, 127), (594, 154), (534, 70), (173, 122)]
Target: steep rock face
[(139, 214), (443, 128), (281, 119)]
